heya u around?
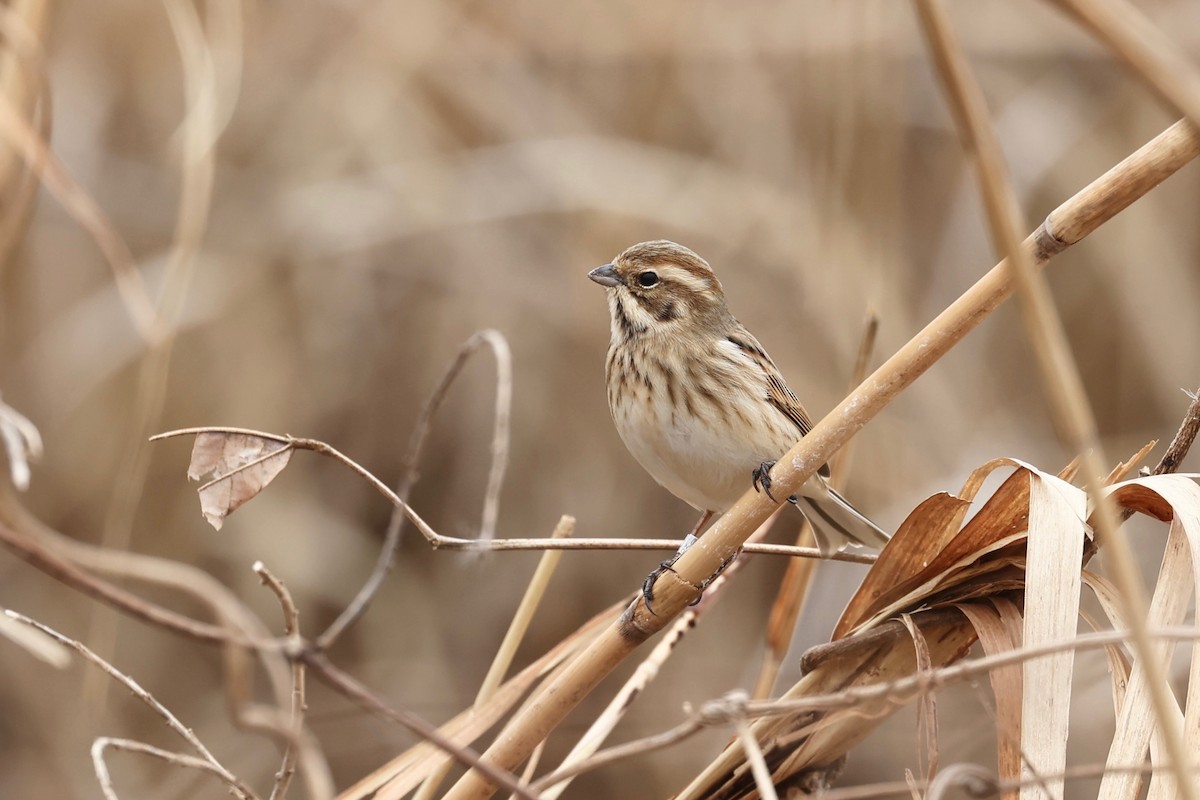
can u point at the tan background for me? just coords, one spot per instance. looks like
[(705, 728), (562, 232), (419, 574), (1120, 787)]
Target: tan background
[(395, 176)]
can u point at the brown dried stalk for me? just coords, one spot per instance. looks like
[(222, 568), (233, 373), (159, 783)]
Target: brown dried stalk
[(1073, 220)]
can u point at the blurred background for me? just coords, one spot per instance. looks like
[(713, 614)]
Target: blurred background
[(384, 179)]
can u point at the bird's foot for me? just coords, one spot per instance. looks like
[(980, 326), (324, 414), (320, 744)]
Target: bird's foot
[(761, 476), (648, 584)]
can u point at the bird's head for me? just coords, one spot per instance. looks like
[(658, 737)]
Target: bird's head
[(659, 286)]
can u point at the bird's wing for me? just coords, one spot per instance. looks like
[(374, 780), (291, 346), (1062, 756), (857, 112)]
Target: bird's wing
[(778, 393)]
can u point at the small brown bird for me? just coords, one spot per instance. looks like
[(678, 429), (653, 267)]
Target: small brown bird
[(697, 400)]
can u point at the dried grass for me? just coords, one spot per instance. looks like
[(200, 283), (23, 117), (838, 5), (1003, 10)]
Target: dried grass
[(287, 218)]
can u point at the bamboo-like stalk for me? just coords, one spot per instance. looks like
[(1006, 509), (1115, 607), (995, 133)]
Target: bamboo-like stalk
[(534, 592), (1066, 225)]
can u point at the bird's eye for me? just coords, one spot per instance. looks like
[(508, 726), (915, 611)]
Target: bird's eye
[(648, 279)]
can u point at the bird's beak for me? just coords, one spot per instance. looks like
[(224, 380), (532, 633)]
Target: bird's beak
[(605, 275)]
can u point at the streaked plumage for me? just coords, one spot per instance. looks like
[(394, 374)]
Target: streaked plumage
[(694, 396)]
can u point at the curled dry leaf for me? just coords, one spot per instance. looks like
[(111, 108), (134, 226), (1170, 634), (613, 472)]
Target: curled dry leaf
[(22, 444), (931, 562), (241, 465)]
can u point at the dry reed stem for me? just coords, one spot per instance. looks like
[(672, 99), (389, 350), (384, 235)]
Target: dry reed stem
[(513, 637), (500, 444), (524, 613), (24, 24), (1060, 374), (896, 692), (580, 757), (797, 578), (195, 195), (21, 23), (388, 781), (148, 699), (1074, 219), (1184, 437), (367, 699), (34, 148), (758, 764), (1165, 67)]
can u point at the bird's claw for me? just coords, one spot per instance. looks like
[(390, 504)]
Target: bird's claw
[(761, 476), (648, 584)]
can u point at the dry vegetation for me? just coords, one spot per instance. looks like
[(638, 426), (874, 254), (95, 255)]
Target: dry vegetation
[(290, 217)]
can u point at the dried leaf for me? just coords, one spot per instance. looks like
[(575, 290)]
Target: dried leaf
[(905, 555), (1002, 521), (1181, 561), (1054, 554), (241, 465), (927, 718), (997, 636), (22, 444), (1119, 666), (986, 558)]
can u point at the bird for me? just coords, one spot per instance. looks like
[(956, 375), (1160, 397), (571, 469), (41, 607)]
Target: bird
[(696, 399)]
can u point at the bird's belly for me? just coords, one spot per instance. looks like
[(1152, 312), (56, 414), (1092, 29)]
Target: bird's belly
[(707, 466)]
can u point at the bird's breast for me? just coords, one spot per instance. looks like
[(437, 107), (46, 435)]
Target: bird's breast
[(697, 430)]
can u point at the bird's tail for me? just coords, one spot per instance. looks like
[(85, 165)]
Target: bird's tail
[(835, 522)]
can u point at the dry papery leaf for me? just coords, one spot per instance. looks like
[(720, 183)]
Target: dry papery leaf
[(1011, 576), (241, 465)]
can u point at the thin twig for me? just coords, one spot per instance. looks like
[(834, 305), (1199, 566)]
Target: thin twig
[(1177, 451), (100, 766), (439, 541), (141, 694), (76, 577), (291, 626), (500, 438)]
